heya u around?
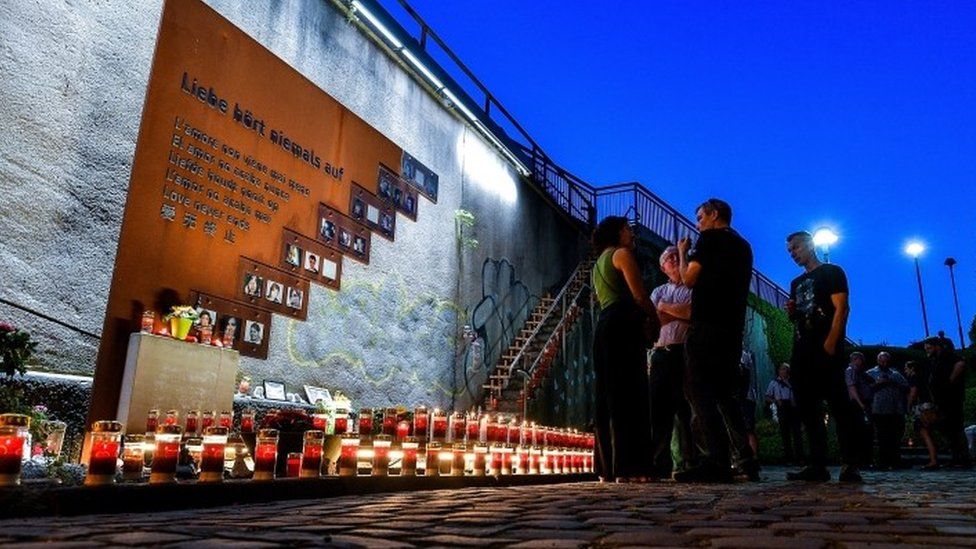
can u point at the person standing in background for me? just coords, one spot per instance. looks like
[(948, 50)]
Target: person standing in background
[(888, 408), (860, 389), (779, 393)]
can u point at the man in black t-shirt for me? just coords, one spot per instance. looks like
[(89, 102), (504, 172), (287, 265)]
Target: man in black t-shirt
[(947, 384), (819, 309), (718, 270)]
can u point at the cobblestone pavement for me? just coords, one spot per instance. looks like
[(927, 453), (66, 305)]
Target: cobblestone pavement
[(893, 509)]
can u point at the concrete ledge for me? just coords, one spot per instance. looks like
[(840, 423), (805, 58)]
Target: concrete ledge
[(26, 501)]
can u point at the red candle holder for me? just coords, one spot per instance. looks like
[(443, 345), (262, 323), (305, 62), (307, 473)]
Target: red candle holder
[(293, 464), (207, 419), (152, 421), (366, 422), (133, 456), (522, 463), (432, 459), (312, 454), (381, 455), (389, 422), (457, 458), (166, 454), (265, 454), (495, 459), (480, 459), (320, 422), (420, 422), (341, 422), (535, 459), (438, 431), (403, 430), (148, 321), (227, 420), (349, 456), (457, 427), (247, 421), (103, 459), (473, 428), (507, 452), (212, 456), (548, 465), (408, 467), (172, 417), (192, 422), (14, 430)]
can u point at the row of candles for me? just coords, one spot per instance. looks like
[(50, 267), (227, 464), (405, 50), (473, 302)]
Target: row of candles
[(478, 445)]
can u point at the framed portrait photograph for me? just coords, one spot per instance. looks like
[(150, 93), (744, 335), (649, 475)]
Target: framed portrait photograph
[(275, 291), (327, 230), (274, 390), (253, 332), (359, 245), (316, 394), (208, 317), (253, 285), (345, 239), (372, 214), (311, 262), (358, 208), (293, 255), (295, 298), (330, 269)]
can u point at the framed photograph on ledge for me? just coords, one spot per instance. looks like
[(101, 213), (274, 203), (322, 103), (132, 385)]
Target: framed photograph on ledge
[(316, 394), (274, 390)]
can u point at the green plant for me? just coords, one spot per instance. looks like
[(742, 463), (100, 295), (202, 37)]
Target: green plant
[(464, 224), (182, 311), (779, 329), (16, 348)]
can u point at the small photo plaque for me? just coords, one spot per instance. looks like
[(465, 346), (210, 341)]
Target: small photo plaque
[(274, 390)]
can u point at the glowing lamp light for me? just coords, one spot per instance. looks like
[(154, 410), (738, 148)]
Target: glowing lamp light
[(824, 237), (914, 249)]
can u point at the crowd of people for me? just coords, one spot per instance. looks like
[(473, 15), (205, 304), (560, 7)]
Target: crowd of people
[(696, 382)]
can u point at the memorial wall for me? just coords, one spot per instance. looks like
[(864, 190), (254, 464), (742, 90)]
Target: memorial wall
[(281, 172)]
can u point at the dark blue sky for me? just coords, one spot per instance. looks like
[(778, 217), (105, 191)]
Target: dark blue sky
[(861, 115)]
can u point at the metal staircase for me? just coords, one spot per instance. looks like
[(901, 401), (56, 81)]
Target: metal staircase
[(525, 364)]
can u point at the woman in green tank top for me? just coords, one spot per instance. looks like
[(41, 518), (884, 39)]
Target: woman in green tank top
[(623, 428)]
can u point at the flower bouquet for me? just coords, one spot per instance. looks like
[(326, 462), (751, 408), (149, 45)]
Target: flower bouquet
[(181, 319), (16, 347)]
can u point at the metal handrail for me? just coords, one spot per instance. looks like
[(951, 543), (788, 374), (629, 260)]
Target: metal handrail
[(562, 321)]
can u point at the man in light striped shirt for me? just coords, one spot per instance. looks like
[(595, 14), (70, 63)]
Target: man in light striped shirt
[(780, 394)]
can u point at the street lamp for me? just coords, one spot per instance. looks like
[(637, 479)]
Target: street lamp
[(824, 238), (951, 262), (915, 249)]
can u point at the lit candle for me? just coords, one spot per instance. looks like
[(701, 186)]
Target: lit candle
[(172, 417), (265, 454), (445, 459), (152, 421), (420, 416), (480, 454), (456, 425), (133, 456), (366, 422), (408, 468), (194, 447), (381, 455), (522, 466), (403, 430), (13, 434), (207, 419), (495, 460), (341, 423), (212, 455), (535, 456), (432, 467), (439, 426), (549, 461), (312, 454), (104, 457), (495, 431), (349, 456), (473, 428), (294, 464), (389, 421), (192, 421), (457, 460), (166, 455), (320, 422), (247, 421), (227, 420), (148, 321), (507, 451)]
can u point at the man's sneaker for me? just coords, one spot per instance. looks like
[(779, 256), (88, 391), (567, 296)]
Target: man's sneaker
[(748, 469), (810, 474), (706, 473), (849, 473)]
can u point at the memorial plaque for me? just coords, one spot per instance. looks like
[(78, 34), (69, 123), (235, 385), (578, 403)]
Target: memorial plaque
[(231, 320), (307, 258), (420, 176), (344, 233), (266, 287), (372, 211), (234, 146), (396, 191)]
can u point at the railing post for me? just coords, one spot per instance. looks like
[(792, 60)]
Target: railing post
[(423, 37)]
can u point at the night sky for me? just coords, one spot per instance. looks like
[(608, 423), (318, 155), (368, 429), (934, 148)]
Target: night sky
[(857, 115)]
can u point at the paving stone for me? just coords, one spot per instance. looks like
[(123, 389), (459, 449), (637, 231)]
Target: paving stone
[(799, 527), (549, 543), (709, 524), (462, 541), (205, 543), (957, 530), (550, 524), (533, 533), (645, 538), (755, 542), (344, 540), (718, 532), (142, 538), (57, 545)]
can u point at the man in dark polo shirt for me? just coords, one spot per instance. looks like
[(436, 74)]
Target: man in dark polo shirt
[(718, 270), (819, 309)]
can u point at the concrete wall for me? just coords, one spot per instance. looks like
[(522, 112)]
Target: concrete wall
[(70, 106)]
